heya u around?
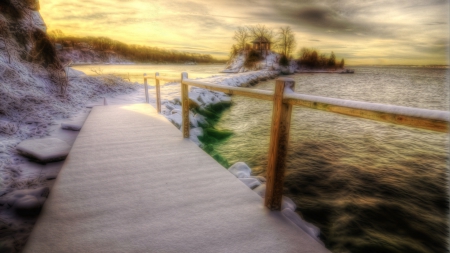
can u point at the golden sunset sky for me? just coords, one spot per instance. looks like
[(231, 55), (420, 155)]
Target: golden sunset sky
[(413, 32)]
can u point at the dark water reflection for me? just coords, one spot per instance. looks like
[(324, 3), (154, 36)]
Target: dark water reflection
[(369, 186)]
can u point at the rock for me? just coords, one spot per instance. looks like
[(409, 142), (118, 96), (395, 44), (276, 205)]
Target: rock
[(309, 228), (74, 126), (288, 203), (175, 111), (28, 206), (261, 190), (27, 202), (177, 101), (260, 178), (194, 103), (250, 182), (201, 120), (194, 133), (240, 170), (176, 119), (170, 106), (44, 150)]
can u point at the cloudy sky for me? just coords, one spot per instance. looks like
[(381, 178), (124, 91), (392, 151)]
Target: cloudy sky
[(363, 32)]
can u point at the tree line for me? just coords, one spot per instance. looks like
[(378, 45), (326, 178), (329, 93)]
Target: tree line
[(135, 53), (282, 41), (313, 59)]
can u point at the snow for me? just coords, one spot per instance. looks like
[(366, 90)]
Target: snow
[(240, 170), (269, 63), (251, 183), (44, 150)]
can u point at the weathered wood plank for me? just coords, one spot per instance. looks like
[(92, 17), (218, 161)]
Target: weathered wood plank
[(252, 93), (146, 89), (279, 138), (412, 121), (185, 105), (158, 93)]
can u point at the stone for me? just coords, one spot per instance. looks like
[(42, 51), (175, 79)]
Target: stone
[(260, 190), (260, 178), (250, 182), (74, 126), (27, 202), (288, 203), (44, 150), (240, 170), (28, 206), (176, 119)]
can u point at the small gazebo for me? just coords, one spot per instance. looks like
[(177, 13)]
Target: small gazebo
[(261, 43)]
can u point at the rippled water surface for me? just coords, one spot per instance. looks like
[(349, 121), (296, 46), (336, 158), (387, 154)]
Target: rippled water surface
[(369, 186)]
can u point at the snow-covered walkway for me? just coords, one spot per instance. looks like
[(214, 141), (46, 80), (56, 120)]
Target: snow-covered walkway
[(131, 183)]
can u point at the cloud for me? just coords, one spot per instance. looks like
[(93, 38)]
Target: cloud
[(370, 29)]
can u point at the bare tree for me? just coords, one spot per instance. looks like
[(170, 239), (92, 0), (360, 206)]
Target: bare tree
[(286, 40), (261, 32), (241, 36)]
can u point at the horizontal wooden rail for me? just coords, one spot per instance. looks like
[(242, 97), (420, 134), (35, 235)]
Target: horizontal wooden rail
[(252, 93), (163, 78), (414, 117)]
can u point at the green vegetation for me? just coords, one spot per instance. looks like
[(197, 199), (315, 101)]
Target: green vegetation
[(135, 53)]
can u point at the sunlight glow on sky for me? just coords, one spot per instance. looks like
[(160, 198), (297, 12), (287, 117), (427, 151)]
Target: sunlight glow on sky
[(411, 32)]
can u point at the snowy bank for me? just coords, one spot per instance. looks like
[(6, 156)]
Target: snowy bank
[(205, 104), (269, 63)]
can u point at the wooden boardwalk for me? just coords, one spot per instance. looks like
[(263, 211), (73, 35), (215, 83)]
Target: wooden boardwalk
[(131, 183)]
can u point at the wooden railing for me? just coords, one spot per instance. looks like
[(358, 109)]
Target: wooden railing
[(284, 98), (157, 78)]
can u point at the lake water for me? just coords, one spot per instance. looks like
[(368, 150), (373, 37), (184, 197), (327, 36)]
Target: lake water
[(369, 186), (135, 72)]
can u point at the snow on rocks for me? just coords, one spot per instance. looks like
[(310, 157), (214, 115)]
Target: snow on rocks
[(44, 150), (194, 133), (251, 183), (74, 126), (260, 190), (203, 100), (27, 202), (240, 170)]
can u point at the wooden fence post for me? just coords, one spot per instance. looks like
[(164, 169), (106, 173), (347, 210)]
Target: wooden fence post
[(185, 106), (279, 138), (158, 93), (146, 89)]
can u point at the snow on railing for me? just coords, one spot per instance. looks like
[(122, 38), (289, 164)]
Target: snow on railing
[(284, 98)]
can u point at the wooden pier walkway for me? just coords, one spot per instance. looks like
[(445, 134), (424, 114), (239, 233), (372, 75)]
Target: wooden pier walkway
[(132, 183)]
